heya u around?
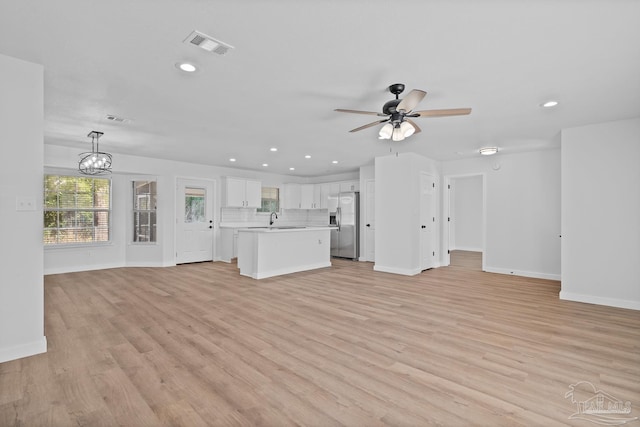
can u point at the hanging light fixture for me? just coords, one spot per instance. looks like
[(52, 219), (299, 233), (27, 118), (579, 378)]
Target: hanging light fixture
[(94, 162)]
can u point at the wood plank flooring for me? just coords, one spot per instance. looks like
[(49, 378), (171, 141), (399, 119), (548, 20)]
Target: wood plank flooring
[(199, 345)]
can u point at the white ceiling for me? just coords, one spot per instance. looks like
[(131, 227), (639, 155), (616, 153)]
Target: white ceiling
[(296, 60)]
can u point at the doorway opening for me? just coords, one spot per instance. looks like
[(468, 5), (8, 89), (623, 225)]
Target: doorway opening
[(465, 226)]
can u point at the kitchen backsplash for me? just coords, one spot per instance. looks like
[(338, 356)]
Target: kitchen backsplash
[(285, 217)]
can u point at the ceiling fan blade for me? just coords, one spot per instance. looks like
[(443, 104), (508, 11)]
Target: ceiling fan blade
[(412, 123), (370, 113), (410, 101), (368, 125), (441, 113)]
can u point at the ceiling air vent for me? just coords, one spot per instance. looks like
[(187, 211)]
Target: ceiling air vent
[(116, 119), (207, 43)]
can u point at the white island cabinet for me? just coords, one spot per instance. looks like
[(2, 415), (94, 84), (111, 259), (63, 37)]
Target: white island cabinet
[(267, 252)]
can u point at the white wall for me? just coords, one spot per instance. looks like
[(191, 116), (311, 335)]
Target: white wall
[(397, 205), (601, 214), (21, 284), (126, 168), (466, 213), (522, 211)]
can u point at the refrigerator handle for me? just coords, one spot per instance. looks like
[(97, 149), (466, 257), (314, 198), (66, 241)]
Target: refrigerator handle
[(338, 217)]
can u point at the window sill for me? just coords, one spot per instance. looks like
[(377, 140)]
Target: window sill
[(78, 246)]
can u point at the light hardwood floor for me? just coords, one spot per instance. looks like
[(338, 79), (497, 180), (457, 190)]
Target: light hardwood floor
[(198, 344)]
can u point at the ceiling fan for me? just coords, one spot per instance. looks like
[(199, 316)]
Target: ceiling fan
[(399, 112)]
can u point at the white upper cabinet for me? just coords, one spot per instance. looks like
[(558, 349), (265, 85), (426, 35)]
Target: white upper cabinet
[(315, 196), (350, 186), (292, 196), (310, 196), (242, 193)]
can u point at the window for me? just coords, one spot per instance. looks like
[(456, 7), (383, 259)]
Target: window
[(270, 199), (76, 209), (144, 211), (194, 204)]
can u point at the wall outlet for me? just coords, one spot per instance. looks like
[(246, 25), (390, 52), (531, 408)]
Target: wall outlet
[(25, 204)]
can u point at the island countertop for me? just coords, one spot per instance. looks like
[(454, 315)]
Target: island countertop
[(271, 251), (283, 228)]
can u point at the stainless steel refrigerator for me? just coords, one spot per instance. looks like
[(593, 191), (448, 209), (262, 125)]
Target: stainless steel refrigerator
[(344, 214)]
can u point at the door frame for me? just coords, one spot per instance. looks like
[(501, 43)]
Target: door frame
[(434, 213), (368, 241), (446, 227), (215, 210)]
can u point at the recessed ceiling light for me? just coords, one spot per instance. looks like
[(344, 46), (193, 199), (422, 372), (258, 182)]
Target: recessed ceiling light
[(273, 149), (334, 162), (232, 159), (488, 151), (265, 164), (549, 104), (292, 169), (187, 67), (307, 156)]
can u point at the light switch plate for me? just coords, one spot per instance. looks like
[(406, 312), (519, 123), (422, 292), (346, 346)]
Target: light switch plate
[(25, 204)]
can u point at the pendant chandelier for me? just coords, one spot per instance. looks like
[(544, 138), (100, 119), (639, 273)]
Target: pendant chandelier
[(94, 162)]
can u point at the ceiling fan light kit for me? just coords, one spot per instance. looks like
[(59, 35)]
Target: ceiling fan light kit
[(398, 113)]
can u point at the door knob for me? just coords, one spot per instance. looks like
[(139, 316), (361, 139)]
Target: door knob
[(211, 226), (424, 226), (368, 225), (210, 221)]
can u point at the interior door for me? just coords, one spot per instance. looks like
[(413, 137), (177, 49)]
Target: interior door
[(194, 221), (427, 221), (370, 221)]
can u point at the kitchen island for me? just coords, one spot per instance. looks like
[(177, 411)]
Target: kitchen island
[(272, 251)]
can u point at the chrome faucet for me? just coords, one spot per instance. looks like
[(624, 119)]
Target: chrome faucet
[(271, 219)]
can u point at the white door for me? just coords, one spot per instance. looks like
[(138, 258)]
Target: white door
[(370, 221), (194, 221), (427, 221)]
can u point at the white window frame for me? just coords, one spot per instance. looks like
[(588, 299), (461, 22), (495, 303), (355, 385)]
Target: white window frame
[(134, 211), (108, 210)]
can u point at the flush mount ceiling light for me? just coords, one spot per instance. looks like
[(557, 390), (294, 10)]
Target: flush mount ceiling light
[(273, 149), (232, 159), (292, 169), (94, 162), (307, 156), (186, 67), (265, 164), (488, 151), (335, 162), (549, 104), (208, 43)]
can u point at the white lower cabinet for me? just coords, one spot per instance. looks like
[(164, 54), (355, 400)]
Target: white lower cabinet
[(229, 244)]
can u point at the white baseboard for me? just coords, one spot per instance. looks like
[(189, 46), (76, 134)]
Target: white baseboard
[(77, 268), (463, 248), (23, 350), (288, 270), (592, 299), (394, 270), (533, 274)]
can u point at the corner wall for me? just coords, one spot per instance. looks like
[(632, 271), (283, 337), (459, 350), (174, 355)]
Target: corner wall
[(601, 214), (21, 259)]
